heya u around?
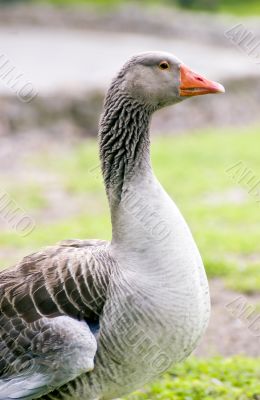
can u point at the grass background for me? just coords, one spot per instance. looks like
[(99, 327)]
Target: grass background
[(224, 216), (236, 378)]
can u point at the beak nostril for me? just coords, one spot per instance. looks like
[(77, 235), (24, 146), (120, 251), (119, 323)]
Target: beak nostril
[(199, 79)]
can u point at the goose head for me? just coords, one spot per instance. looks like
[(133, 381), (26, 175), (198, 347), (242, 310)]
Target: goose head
[(159, 79)]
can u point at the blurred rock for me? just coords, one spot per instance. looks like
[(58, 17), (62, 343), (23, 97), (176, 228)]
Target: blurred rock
[(61, 112)]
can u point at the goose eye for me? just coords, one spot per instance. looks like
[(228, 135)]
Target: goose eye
[(164, 65)]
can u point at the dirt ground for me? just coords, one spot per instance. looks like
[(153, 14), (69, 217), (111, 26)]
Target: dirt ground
[(229, 331)]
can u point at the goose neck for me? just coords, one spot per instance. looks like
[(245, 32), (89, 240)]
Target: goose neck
[(124, 144)]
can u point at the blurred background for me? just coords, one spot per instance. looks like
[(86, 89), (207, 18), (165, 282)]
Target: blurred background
[(56, 61)]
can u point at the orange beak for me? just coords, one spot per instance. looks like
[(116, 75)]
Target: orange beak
[(193, 84)]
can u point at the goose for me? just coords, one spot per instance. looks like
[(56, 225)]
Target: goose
[(91, 319)]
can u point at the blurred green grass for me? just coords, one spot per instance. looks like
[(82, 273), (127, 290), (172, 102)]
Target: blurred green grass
[(223, 215), (236, 7), (239, 7), (236, 378)]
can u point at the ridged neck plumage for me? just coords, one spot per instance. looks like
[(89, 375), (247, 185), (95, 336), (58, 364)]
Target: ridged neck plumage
[(124, 141)]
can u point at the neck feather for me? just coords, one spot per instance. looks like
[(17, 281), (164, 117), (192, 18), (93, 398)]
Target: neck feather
[(124, 142)]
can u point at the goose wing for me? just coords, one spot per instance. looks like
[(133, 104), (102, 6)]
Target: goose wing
[(50, 304), (43, 356)]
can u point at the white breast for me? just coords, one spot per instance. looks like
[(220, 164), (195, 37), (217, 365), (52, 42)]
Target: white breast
[(162, 292)]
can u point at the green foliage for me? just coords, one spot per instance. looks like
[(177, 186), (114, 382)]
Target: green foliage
[(236, 378), (97, 3), (199, 4), (239, 7)]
